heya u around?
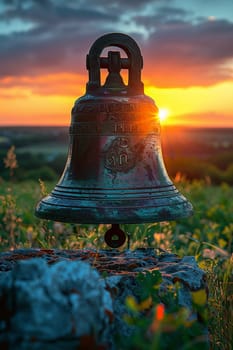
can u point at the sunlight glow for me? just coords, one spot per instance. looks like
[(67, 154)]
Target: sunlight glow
[(214, 107), (163, 114), (44, 100)]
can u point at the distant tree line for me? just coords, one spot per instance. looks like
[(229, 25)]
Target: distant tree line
[(32, 166), (196, 154)]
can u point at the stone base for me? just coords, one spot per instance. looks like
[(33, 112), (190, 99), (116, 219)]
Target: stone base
[(66, 299)]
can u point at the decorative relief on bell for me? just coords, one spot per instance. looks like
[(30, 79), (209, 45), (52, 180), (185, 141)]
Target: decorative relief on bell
[(120, 155), (114, 107), (114, 127)]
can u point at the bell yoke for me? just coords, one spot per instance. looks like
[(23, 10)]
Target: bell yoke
[(115, 171)]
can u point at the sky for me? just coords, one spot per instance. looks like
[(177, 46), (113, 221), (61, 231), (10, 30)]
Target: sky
[(187, 49)]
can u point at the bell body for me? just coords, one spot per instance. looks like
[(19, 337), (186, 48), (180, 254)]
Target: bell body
[(114, 171)]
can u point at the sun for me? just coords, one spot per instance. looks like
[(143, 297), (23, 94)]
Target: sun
[(163, 115)]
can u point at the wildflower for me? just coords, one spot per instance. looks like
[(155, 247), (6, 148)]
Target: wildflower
[(209, 253), (43, 188), (158, 317), (10, 161), (31, 234), (159, 312), (179, 177), (58, 227), (158, 237)]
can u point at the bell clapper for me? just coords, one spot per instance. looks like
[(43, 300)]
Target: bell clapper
[(115, 237)]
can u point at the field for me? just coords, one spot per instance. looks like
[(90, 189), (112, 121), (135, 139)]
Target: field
[(200, 163)]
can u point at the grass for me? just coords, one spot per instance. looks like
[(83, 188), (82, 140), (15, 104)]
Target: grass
[(207, 235)]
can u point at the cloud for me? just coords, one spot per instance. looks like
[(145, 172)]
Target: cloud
[(53, 84), (58, 41), (187, 54), (179, 49), (204, 119), (57, 15)]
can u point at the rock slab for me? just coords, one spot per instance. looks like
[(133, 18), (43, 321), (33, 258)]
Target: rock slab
[(60, 299)]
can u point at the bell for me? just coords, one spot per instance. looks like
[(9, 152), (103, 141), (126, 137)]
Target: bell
[(115, 171)]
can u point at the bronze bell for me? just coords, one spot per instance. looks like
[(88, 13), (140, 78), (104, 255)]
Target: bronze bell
[(114, 171)]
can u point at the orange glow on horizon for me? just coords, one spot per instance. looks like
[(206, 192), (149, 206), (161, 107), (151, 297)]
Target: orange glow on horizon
[(196, 106), (48, 100)]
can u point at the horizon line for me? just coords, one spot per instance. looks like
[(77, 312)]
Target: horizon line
[(162, 126)]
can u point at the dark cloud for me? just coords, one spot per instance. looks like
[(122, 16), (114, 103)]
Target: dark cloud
[(176, 50), (186, 54), (55, 15), (58, 41)]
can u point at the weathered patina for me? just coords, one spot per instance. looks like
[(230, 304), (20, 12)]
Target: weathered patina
[(115, 171)]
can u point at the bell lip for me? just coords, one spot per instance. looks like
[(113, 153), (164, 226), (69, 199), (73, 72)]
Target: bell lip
[(124, 215)]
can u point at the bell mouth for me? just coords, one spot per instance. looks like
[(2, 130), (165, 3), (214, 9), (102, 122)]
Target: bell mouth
[(131, 207)]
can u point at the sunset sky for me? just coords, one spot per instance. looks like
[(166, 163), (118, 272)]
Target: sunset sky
[(187, 47)]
